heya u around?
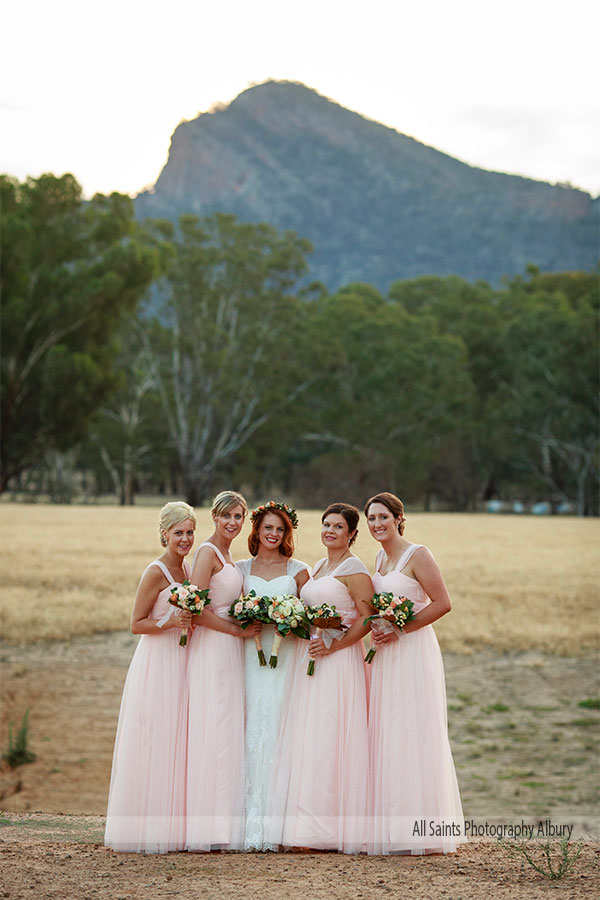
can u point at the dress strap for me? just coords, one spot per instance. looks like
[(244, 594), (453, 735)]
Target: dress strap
[(164, 570), (406, 556), (318, 565), (351, 566), (212, 547), (295, 566)]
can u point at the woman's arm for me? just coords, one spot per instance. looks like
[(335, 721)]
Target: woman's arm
[(427, 572), (151, 584), (301, 578), (361, 590)]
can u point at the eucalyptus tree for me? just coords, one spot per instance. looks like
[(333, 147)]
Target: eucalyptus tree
[(226, 342), (70, 271), (547, 399), (397, 393)]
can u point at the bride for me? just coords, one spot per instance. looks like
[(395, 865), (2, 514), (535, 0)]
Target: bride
[(270, 571)]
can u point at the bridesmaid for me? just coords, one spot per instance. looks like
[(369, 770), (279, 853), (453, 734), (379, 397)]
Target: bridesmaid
[(414, 801), (215, 763), (146, 803), (271, 570), (322, 762)]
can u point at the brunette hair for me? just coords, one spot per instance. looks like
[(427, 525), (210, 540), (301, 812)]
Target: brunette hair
[(225, 501), (350, 514), (391, 502), (286, 547), (172, 514)]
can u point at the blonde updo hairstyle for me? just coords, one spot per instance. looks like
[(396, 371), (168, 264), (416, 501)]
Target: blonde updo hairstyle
[(172, 514), (391, 502), (225, 501)]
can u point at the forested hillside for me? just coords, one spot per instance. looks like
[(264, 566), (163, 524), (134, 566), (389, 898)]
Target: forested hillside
[(377, 205), (181, 359)]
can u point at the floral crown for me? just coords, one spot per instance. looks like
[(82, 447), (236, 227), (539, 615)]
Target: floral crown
[(272, 504)]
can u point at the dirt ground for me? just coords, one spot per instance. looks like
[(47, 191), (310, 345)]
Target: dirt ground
[(524, 750), (45, 858)]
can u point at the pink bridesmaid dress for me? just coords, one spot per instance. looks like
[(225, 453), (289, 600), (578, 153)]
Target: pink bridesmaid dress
[(215, 763), (146, 802), (414, 801), (319, 792)]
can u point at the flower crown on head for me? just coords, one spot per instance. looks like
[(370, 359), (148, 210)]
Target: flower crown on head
[(272, 504)]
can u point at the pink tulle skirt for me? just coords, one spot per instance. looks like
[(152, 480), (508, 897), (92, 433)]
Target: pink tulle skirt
[(146, 805), (414, 803), (319, 789), (215, 762)]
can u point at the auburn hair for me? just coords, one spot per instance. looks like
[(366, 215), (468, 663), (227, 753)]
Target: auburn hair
[(286, 547)]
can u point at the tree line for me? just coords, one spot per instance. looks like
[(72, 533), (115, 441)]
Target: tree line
[(177, 359)]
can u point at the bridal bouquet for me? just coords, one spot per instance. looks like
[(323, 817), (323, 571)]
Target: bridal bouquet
[(247, 610), (286, 613), (326, 618), (188, 596), (393, 610)]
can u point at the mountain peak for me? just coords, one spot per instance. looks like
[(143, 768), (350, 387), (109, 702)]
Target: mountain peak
[(376, 204)]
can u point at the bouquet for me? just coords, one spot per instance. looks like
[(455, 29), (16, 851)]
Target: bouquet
[(247, 610), (325, 617), (188, 596), (286, 613), (393, 610)]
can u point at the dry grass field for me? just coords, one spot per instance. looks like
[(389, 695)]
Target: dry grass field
[(517, 583), (521, 673)]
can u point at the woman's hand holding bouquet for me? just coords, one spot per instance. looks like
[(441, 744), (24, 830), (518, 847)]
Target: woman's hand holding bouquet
[(393, 611), (190, 598), (326, 619), (248, 610)]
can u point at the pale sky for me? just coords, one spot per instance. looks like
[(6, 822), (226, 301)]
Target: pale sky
[(97, 89)]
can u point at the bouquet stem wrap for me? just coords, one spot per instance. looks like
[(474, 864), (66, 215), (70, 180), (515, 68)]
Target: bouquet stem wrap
[(275, 649), (329, 635), (383, 626), (261, 656)]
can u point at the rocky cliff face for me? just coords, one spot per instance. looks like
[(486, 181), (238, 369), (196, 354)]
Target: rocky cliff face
[(377, 205)]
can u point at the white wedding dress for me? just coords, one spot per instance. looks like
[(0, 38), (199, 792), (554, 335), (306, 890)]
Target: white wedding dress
[(264, 697)]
